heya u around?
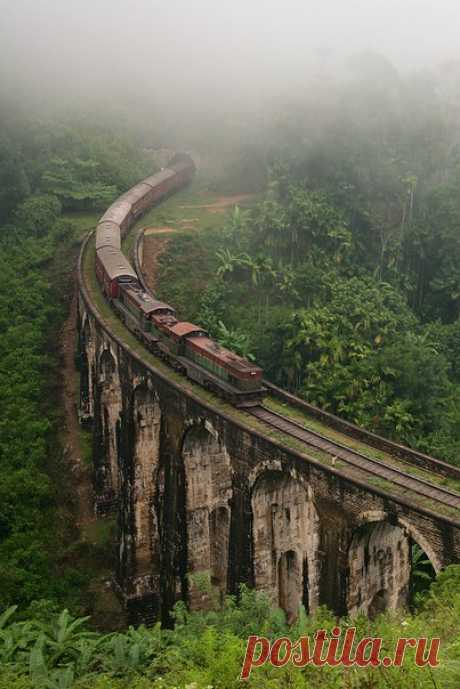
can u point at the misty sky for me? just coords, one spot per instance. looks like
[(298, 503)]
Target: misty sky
[(77, 47)]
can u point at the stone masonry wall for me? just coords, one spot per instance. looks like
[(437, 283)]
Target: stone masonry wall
[(203, 502)]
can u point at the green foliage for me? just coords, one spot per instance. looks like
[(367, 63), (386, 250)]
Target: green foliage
[(234, 340), (76, 183), (305, 225), (344, 277), (85, 167), (422, 573), (37, 214), (14, 185), (43, 167), (25, 492), (34, 261), (207, 648)]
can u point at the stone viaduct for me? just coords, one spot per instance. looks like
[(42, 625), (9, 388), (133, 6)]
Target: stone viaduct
[(200, 496)]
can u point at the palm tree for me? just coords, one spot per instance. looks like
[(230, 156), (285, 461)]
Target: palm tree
[(227, 262), (234, 340), (235, 225), (422, 571)]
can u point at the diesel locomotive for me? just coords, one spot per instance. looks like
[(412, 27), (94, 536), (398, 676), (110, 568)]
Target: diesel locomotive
[(184, 346)]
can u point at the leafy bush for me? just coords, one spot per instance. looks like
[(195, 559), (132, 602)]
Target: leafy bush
[(206, 649)]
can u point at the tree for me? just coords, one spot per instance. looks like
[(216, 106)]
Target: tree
[(37, 215), (14, 185), (234, 340), (77, 183)]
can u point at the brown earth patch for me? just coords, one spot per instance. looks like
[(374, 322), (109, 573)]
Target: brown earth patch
[(222, 203), (158, 230), (154, 247)]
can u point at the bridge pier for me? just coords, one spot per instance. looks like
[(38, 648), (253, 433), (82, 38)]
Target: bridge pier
[(285, 536), (208, 499), (379, 569)]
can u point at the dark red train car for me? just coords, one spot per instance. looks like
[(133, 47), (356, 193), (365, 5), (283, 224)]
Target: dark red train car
[(112, 268)]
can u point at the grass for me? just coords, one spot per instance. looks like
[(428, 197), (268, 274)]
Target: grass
[(185, 211)]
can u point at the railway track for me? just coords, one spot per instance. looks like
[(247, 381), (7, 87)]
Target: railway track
[(375, 467)]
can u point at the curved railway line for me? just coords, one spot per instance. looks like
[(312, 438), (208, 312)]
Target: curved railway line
[(398, 471), (370, 466), (375, 467)]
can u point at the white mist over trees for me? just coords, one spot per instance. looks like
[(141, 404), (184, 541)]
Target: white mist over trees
[(206, 55)]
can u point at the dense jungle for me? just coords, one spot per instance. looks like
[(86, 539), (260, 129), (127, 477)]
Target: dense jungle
[(338, 272)]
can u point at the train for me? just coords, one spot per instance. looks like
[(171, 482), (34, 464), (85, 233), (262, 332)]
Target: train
[(186, 347)]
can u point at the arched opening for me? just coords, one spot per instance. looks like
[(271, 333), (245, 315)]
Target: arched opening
[(84, 366), (425, 562), (107, 366), (285, 542), (378, 604), (108, 411), (290, 588)]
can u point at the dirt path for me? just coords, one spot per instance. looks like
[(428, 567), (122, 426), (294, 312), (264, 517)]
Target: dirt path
[(70, 433), (155, 243), (222, 203)]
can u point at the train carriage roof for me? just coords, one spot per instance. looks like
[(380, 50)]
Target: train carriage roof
[(108, 234), (146, 302), (182, 328), (117, 212), (137, 193), (158, 177), (115, 263)]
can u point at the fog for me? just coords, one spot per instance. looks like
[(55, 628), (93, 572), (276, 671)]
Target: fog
[(180, 63), (106, 49)]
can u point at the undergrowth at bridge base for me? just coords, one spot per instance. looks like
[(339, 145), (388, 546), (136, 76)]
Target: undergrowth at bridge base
[(206, 649)]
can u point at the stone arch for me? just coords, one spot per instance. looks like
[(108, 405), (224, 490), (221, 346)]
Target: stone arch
[(424, 544), (208, 482), (378, 568), (285, 541), (107, 366), (411, 531)]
